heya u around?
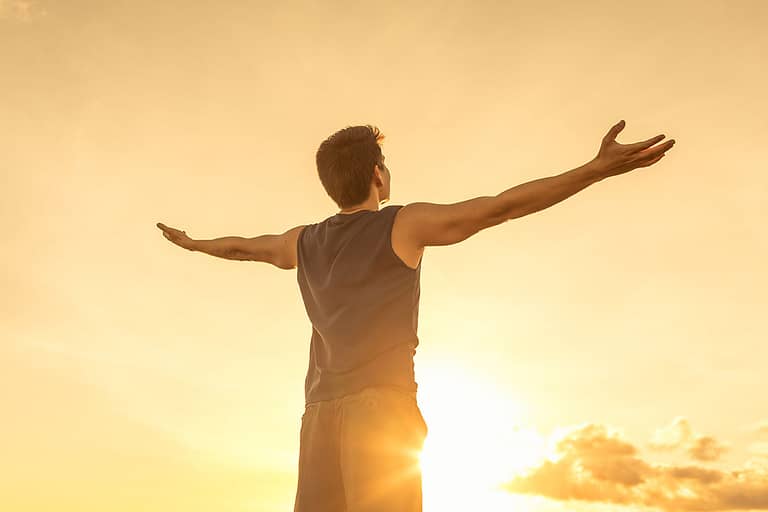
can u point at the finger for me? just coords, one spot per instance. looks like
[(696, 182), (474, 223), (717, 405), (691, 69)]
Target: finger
[(655, 153), (169, 229), (639, 146), (653, 160), (652, 152), (666, 146), (614, 131)]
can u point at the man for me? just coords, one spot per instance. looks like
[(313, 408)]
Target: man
[(358, 273)]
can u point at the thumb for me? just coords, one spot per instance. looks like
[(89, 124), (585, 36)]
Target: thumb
[(614, 131)]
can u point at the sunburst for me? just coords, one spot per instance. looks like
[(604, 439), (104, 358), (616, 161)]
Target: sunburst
[(476, 441)]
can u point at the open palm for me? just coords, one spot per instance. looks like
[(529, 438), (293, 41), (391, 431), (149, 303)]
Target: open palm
[(620, 158)]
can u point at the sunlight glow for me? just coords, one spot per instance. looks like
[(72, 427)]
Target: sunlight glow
[(476, 441)]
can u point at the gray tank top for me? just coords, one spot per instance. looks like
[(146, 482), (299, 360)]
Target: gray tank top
[(363, 303)]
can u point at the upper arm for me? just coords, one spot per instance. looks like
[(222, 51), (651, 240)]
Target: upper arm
[(279, 250), (423, 224), (285, 255)]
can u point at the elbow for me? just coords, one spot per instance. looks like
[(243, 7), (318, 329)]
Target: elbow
[(497, 213)]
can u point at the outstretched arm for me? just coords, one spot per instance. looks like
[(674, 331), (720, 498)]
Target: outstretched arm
[(279, 250), (424, 224)]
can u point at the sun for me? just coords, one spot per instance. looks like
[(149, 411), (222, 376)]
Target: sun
[(476, 441)]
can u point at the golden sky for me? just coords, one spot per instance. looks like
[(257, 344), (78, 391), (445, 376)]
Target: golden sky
[(610, 350)]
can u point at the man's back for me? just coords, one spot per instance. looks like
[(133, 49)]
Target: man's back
[(362, 300)]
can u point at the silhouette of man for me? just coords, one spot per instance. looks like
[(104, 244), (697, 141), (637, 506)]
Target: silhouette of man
[(358, 273)]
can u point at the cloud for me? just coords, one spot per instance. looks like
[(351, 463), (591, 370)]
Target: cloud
[(596, 465), (706, 448), (761, 428), (680, 435), (672, 436)]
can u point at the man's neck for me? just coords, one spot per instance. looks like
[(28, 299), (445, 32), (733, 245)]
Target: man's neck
[(374, 207)]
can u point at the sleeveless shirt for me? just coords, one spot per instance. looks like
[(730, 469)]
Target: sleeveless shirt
[(363, 303)]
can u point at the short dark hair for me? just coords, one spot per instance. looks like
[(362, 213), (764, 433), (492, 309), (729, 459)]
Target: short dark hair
[(345, 163)]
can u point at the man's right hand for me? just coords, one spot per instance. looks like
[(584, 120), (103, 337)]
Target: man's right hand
[(614, 158), (176, 236)]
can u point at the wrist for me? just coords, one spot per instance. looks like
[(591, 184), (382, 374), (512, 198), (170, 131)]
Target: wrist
[(596, 170)]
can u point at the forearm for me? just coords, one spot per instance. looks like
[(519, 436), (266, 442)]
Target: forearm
[(542, 193), (225, 247)]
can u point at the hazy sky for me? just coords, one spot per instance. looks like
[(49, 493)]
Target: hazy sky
[(622, 330)]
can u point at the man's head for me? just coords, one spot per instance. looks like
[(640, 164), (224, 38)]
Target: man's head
[(351, 166)]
